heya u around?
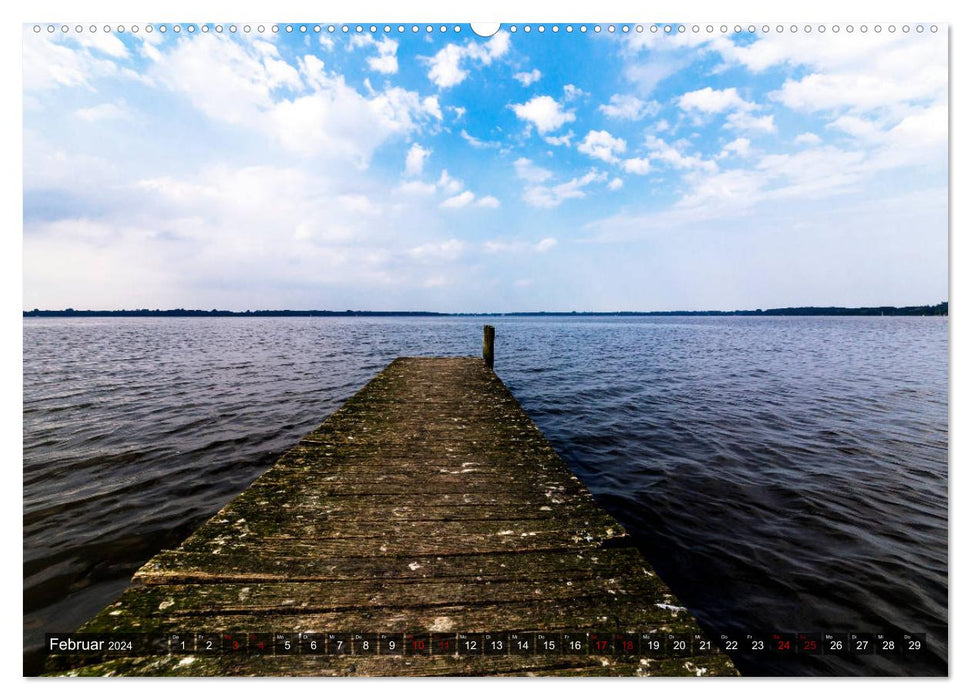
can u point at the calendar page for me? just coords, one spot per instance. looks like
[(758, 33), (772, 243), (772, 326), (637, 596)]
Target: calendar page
[(485, 349)]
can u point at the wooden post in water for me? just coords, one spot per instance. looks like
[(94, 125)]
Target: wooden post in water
[(488, 345)]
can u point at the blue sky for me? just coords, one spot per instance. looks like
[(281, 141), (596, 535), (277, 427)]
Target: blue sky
[(450, 172)]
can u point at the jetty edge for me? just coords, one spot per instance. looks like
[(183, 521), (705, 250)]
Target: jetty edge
[(429, 506)]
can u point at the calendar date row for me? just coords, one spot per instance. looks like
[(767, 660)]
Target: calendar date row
[(655, 644)]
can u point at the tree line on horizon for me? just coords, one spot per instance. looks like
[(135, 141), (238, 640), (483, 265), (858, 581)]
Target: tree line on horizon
[(940, 309)]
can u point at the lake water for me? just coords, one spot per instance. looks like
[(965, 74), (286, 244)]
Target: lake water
[(783, 474)]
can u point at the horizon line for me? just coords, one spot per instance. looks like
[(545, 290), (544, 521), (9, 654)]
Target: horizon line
[(940, 308)]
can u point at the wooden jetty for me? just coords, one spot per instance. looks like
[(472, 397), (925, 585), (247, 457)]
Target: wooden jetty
[(429, 503)]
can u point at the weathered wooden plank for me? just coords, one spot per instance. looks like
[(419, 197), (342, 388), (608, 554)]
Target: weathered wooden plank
[(291, 498), (136, 612), (443, 545), (247, 598), (182, 566), (429, 502), (379, 509), (305, 526), (436, 483), (197, 665), (520, 474)]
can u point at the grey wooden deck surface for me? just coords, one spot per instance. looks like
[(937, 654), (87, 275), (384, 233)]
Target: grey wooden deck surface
[(429, 502)]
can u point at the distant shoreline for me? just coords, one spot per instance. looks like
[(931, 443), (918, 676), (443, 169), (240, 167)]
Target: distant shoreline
[(927, 310)]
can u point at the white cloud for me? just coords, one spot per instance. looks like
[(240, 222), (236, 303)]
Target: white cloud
[(712, 101), (497, 46), (321, 116), (358, 204), (858, 127), (466, 198), (311, 68), (603, 146), (870, 70), (922, 128), (479, 143), (637, 166), (448, 183), (545, 245), (55, 61), (430, 106), (446, 70), (48, 167), (415, 160), (615, 184), (919, 138), (446, 67), (530, 172), (651, 58), (563, 140), (868, 88), (102, 112), (528, 78), (629, 107), (831, 52), (47, 65), (815, 172), (812, 173), (105, 43), (544, 112), (444, 250), (505, 246), (860, 91), (387, 59), (572, 92), (744, 121), (417, 187), (337, 121), (458, 201), (648, 74), (283, 229), (251, 197), (549, 196), (709, 101), (738, 147), (892, 75), (224, 236), (661, 150), (358, 41)]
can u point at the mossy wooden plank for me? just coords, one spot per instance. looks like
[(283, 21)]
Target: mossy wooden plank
[(429, 502)]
